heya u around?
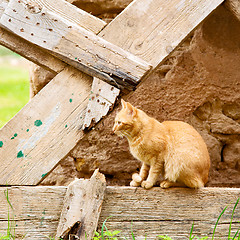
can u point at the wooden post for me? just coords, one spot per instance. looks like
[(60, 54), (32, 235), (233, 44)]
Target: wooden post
[(82, 208)]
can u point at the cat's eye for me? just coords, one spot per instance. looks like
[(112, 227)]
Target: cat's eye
[(119, 122)]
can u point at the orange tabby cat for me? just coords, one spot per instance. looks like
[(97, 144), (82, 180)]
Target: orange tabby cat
[(172, 148)]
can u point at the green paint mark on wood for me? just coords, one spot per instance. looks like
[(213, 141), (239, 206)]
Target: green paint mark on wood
[(27, 130), (20, 154), (38, 123), (70, 100), (1, 143), (43, 175), (15, 134), (12, 137), (66, 126)]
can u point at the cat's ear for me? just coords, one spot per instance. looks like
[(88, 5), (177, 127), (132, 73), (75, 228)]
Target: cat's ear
[(131, 109), (124, 104)]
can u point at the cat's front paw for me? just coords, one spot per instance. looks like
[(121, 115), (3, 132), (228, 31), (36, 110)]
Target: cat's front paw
[(134, 184), (136, 177), (147, 185)]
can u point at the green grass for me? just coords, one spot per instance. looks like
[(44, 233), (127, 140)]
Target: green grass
[(6, 52), (14, 91)]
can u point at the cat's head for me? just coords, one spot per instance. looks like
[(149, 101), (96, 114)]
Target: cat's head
[(125, 119)]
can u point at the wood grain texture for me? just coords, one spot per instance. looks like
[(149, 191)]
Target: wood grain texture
[(37, 54), (82, 204), (36, 211), (101, 99), (152, 29), (234, 7), (72, 43), (45, 130), (73, 14), (171, 211)]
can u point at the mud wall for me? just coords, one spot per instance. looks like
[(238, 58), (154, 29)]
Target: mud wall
[(199, 84)]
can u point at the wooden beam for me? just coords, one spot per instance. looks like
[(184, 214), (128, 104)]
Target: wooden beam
[(170, 212), (36, 211), (234, 7), (82, 208), (77, 16), (159, 26), (151, 30), (37, 54), (44, 131), (101, 100), (72, 43)]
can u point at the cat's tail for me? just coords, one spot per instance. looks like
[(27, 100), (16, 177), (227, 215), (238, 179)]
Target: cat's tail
[(194, 182)]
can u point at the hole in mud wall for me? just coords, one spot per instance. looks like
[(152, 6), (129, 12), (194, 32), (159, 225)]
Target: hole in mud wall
[(106, 10), (14, 84), (222, 158)]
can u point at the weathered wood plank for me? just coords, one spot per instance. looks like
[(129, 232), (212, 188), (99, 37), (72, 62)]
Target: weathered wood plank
[(77, 16), (72, 43), (82, 208), (74, 14), (171, 212), (101, 99), (36, 211), (153, 29), (234, 7), (45, 130), (37, 54)]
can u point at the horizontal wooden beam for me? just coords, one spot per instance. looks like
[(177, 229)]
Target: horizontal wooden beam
[(72, 43), (36, 211)]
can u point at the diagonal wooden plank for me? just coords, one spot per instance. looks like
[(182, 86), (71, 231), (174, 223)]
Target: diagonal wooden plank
[(44, 131), (77, 16), (159, 26), (72, 43), (37, 54), (152, 29)]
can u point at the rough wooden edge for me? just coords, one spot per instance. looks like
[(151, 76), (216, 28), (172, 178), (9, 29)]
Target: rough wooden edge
[(82, 208), (234, 7)]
